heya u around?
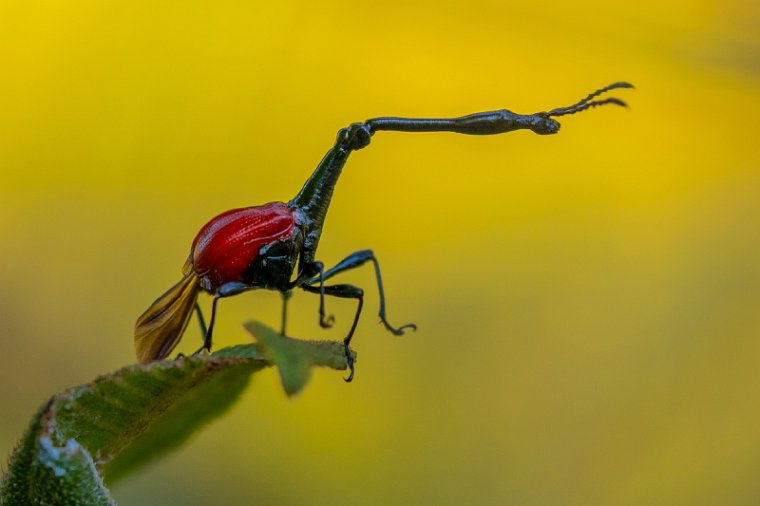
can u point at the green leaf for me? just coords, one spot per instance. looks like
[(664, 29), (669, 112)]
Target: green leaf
[(294, 358), (120, 421)]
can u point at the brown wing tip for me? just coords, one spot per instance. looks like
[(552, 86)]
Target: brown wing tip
[(159, 329)]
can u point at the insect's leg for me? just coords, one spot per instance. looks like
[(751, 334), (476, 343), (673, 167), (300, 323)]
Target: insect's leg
[(286, 295), (307, 274), (202, 324), (207, 336), (325, 323), (201, 321), (358, 259), (226, 290), (344, 292)]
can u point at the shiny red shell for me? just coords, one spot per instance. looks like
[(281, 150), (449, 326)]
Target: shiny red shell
[(228, 244)]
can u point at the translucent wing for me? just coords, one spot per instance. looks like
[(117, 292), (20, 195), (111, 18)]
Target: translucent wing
[(160, 327)]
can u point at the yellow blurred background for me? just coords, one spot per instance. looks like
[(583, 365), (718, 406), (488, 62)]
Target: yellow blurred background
[(588, 303)]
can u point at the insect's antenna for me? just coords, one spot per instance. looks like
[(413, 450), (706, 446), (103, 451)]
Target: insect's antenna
[(588, 103), (563, 111)]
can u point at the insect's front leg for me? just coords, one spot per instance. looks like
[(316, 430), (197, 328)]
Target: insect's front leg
[(353, 261), (315, 270), (344, 292)]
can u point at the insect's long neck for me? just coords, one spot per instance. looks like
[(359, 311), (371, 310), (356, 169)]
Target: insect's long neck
[(314, 198)]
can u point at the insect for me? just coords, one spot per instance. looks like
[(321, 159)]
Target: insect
[(274, 246)]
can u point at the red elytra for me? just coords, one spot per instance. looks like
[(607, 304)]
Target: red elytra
[(228, 244)]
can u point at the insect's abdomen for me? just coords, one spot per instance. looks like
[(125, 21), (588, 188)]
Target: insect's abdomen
[(229, 244)]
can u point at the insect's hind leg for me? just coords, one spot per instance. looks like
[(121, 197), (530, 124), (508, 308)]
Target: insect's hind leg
[(201, 320), (353, 261), (209, 330), (226, 290), (202, 325), (344, 292)]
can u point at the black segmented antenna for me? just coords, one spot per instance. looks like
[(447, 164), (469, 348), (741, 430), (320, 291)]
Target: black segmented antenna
[(588, 103)]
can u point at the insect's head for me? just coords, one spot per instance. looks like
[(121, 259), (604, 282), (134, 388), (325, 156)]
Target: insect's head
[(544, 124)]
